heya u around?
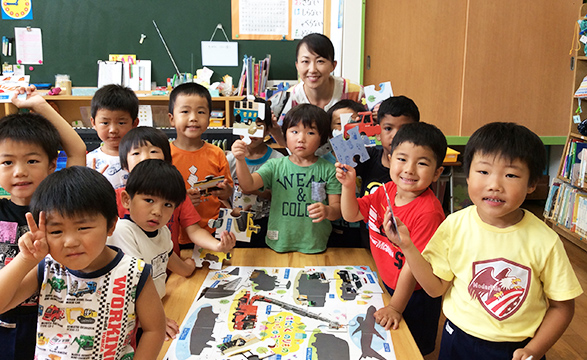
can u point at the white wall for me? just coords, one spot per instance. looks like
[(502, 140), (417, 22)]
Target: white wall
[(351, 40)]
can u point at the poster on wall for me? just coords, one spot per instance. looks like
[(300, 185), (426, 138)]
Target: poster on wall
[(17, 10)]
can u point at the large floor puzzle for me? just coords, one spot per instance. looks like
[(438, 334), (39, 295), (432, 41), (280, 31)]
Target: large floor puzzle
[(312, 313)]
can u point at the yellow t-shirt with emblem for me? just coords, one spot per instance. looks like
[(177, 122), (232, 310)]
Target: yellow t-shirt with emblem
[(501, 277)]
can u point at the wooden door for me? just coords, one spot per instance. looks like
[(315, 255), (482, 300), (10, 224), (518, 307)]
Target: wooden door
[(517, 64), (419, 47)]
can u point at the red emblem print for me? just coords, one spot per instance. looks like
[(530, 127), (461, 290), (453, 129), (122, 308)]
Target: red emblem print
[(500, 286)]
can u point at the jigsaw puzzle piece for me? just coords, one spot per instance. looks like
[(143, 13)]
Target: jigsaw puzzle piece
[(345, 150), (373, 97)]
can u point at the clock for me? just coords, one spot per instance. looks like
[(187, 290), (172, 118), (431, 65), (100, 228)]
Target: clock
[(17, 9)]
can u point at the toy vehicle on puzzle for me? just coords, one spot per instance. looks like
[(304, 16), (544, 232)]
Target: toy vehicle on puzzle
[(210, 183), (213, 258), (242, 226), (246, 114), (365, 124)]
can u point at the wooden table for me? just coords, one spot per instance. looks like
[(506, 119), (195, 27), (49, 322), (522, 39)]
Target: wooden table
[(182, 291)]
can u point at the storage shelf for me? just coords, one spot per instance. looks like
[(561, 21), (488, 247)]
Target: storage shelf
[(569, 235)]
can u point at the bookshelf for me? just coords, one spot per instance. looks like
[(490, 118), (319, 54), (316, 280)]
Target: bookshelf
[(566, 205)]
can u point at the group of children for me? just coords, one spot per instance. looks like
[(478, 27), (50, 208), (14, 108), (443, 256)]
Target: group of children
[(103, 246)]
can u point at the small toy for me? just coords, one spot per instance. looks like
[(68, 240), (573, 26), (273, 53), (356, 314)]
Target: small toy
[(214, 258), (246, 115), (242, 226), (393, 222), (54, 91), (366, 125), (373, 97), (346, 150), (210, 183), (318, 191)]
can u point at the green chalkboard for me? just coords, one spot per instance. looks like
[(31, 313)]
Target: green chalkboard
[(78, 33)]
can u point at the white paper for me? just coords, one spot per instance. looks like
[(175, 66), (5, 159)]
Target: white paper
[(219, 53), (137, 76), (29, 46), (109, 72), (307, 17), (263, 17), (145, 115)]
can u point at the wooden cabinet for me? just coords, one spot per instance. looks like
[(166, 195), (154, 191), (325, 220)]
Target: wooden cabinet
[(74, 108), (565, 210), (468, 63)]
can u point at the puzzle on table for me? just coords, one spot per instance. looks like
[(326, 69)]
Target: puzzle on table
[(284, 314)]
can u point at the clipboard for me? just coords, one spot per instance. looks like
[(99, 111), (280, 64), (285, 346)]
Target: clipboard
[(109, 72)]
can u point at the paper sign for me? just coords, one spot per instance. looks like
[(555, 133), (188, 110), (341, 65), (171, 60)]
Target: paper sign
[(263, 17), (29, 46), (145, 115), (109, 72), (307, 17), (219, 53)]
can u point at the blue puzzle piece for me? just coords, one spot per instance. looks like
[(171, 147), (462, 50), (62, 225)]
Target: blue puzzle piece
[(345, 150)]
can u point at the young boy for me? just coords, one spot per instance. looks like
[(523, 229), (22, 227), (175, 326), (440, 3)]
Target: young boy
[(153, 191), (305, 195), (392, 114), (115, 111), (29, 145), (343, 107), (189, 113), (507, 282), (416, 161), (344, 234), (75, 210), (145, 142), (257, 154)]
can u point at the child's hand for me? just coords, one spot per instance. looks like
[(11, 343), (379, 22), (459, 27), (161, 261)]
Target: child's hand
[(225, 191), (239, 149), (32, 100), (346, 175), (33, 244), (523, 354), (388, 317), (227, 242), (318, 212), (102, 170), (194, 195), (191, 264), (404, 234), (171, 329)]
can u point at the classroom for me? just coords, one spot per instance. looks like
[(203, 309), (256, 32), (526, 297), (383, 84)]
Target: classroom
[(285, 222)]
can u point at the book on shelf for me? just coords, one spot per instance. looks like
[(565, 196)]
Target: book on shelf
[(566, 205), (254, 76)]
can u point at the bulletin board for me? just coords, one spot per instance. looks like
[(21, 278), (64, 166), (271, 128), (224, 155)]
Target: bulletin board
[(271, 19)]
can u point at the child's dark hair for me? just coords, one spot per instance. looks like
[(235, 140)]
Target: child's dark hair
[(115, 97), (398, 106), (318, 44), (138, 137), (75, 191), (32, 129), (509, 141), (345, 104), (425, 135), (156, 177), (309, 115), (189, 89)]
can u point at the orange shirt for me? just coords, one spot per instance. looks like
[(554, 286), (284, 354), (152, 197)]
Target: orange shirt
[(195, 166)]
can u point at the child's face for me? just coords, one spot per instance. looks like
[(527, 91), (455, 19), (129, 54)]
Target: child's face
[(78, 242), (389, 127), (138, 154), (22, 168), (413, 168), (335, 123), (302, 141), (111, 126), (314, 70), (149, 212), (498, 187), (191, 116)]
